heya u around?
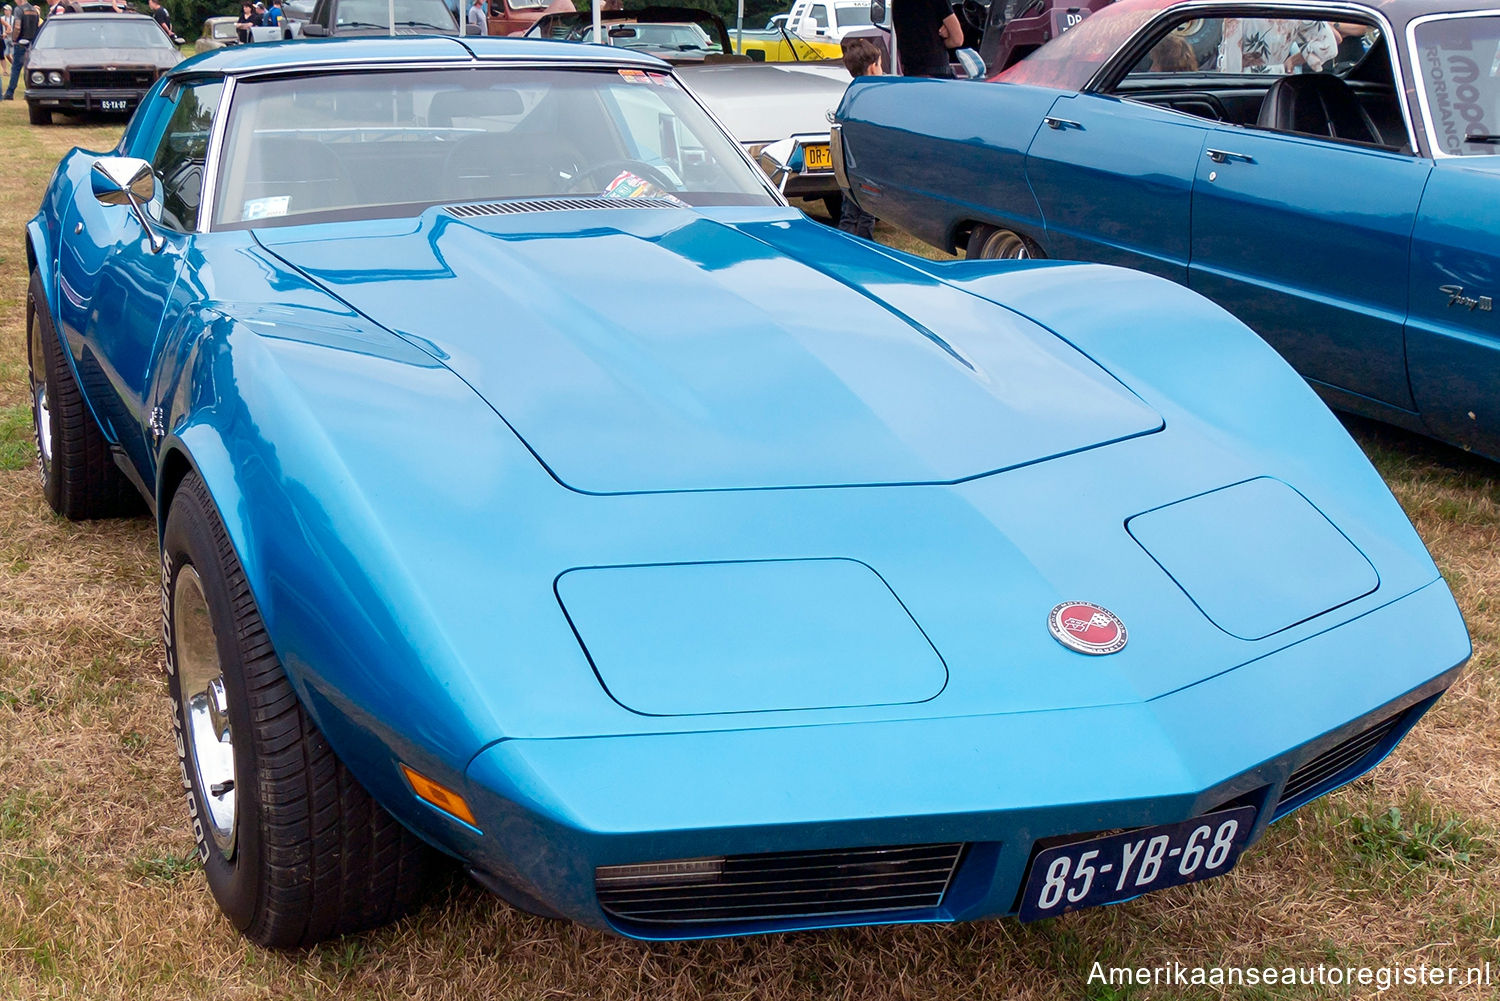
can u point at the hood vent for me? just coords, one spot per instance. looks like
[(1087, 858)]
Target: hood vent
[(559, 205)]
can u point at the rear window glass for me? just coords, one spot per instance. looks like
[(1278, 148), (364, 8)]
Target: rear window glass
[(1458, 62)]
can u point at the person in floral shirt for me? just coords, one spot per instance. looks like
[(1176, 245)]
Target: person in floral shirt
[(1275, 45)]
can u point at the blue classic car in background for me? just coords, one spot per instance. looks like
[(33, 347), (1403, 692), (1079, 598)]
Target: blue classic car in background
[(1348, 215), (534, 485)]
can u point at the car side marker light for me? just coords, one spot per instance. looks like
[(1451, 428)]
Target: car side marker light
[(440, 796)]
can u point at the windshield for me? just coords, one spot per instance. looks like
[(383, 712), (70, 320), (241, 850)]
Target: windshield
[(1068, 61), (388, 144), (1458, 61), (853, 14), (680, 37), (409, 13), (102, 33)]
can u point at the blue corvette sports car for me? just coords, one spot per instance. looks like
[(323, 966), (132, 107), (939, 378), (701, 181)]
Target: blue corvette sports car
[(1326, 171), (537, 489)]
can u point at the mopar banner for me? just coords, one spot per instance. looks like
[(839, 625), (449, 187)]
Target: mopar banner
[(1459, 60)]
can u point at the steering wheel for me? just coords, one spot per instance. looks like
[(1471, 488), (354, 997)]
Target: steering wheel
[(974, 13), (593, 178)]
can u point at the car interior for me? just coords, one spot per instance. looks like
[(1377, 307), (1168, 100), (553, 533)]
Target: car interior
[(1351, 98)]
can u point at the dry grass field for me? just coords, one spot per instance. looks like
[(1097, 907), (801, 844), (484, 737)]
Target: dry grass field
[(101, 896)]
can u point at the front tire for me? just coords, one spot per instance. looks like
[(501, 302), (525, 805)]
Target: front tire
[(79, 477), (38, 115), (992, 243), (295, 849)]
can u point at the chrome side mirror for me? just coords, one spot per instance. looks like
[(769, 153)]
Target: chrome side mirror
[(779, 160), (127, 180), (967, 64)]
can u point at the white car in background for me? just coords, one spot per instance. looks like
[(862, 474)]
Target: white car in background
[(831, 19)]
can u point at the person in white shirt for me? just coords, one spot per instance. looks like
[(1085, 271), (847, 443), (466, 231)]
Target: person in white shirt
[(479, 22), (1275, 45)]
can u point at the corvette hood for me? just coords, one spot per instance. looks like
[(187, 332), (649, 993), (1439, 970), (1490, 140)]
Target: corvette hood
[(638, 350)]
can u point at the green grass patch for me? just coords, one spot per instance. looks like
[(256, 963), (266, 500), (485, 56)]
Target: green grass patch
[(17, 441), (164, 868), (1414, 839)]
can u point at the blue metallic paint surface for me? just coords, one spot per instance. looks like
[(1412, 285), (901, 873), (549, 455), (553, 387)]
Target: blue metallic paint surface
[(402, 541), (1341, 278), (1453, 352)]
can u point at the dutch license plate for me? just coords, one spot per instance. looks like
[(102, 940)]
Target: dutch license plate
[(113, 105), (1062, 20), (1120, 866), (817, 157)]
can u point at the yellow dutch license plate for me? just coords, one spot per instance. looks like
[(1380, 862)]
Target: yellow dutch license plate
[(817, 157)]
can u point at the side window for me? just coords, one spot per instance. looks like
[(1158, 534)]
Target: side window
[(181, 152), (1328, 79), (820, 15), (1257, 46)]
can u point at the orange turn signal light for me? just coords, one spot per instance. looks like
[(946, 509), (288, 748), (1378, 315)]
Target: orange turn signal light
[(440, 796)]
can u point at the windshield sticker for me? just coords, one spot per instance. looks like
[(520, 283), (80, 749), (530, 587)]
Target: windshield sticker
[(635, 76), (1461, 82), (630, 185), (264, 208)]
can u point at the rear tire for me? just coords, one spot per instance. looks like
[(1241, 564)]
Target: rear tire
[(38, 115), (295, 850), (991, 243), (79, 477)]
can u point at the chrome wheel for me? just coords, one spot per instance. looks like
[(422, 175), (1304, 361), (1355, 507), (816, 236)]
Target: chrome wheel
[(205, 707), (1003, 245), (41, 412)]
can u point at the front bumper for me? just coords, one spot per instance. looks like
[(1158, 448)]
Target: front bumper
[(553, 810), (68, 99)]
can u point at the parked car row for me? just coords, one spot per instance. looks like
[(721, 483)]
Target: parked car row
[(535, 488), (521, 460)]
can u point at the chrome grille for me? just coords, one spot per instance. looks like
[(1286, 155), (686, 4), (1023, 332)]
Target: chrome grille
[(103, 79), (740, 888), (1343, 760), (559, 205)]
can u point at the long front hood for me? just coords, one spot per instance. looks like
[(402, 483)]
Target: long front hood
[(762, 103), (640, 350)]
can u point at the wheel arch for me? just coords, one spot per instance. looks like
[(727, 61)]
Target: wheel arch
[(958, 236)]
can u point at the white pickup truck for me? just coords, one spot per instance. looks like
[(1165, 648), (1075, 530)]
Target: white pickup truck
[(831, 19)]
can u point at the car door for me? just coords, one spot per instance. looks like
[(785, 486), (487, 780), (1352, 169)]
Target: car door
[(1453, 327), (1114, 179), (117, 285), (1308, 240)]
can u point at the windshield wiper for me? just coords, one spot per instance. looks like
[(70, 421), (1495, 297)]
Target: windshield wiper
[(424, 24), (361, 24), (1482, 137)]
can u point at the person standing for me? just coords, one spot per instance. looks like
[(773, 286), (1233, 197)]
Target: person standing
[(249, 18), (925, 31), (28, 22), (862, 57), (162, 16), (273, 14), (479, 22), (7, 24)]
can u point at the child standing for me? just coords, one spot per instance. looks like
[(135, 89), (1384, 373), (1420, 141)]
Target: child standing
[(862, 57)]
